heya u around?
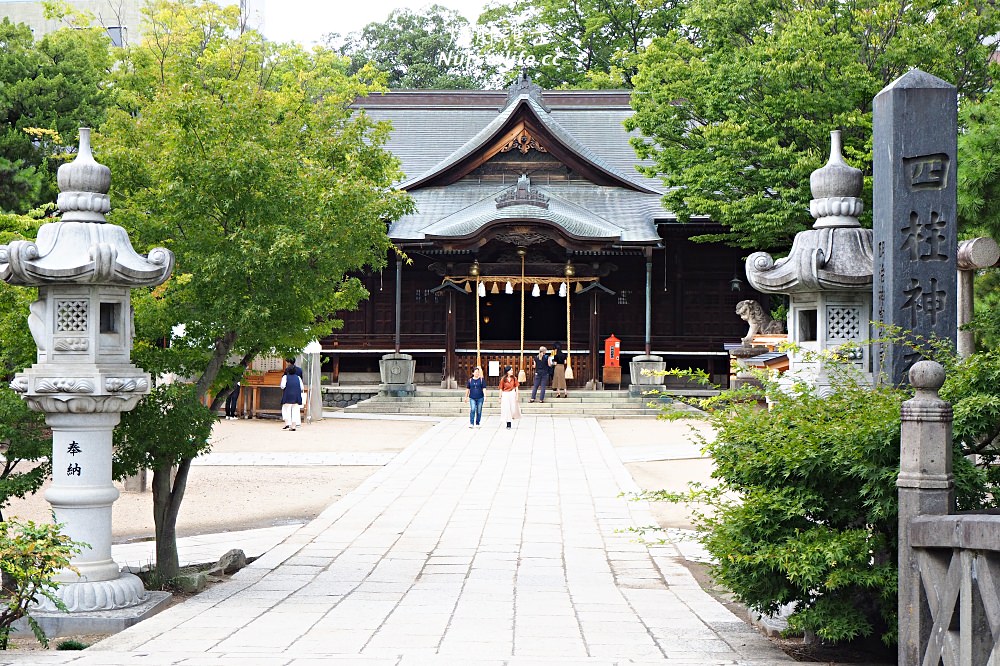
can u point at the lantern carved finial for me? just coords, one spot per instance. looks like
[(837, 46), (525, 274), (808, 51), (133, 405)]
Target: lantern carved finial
[(84, 185), (836, 190)]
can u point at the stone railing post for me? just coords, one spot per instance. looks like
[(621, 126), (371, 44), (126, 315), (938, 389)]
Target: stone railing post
[(973, 255), (926, 487)]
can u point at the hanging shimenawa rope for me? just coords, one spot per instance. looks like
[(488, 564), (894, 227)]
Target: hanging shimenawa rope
[(479, 362), (569, 292), (521, 375)]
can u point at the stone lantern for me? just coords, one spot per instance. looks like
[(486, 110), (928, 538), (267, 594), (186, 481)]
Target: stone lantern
[(83, 269), (827, 275)]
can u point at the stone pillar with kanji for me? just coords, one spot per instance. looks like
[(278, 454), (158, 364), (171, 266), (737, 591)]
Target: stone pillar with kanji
[(914, 130), (84, 269)]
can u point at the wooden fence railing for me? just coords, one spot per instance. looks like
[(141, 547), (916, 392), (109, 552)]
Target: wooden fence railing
[(949, 565)]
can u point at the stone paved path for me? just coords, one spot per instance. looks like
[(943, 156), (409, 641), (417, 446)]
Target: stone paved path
[(470, 547)]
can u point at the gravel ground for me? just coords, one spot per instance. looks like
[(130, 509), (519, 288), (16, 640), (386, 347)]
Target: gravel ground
[(220, 499)]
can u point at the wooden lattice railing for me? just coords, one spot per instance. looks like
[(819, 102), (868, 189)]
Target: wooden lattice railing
[(958, 557), (949, 563)]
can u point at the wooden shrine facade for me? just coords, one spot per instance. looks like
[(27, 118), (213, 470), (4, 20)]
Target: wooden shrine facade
[(534, 228)]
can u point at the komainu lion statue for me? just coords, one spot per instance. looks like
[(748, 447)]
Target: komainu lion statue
[(760, 322)]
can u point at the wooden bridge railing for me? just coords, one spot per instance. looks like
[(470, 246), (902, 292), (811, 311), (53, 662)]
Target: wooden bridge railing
[(949, 565)]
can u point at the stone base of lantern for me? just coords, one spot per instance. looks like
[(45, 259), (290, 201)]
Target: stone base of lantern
[(643, 372), (57, 623), (397, 372), (122, 592)]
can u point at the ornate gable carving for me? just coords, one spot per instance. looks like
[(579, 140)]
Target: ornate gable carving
[(523, 141)]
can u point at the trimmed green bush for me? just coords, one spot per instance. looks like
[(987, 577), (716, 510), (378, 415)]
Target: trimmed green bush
[(805, 510), (30, 556)]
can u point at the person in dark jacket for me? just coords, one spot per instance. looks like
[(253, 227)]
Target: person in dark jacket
[(291, 398), (232, 400), (559, 372), (543, 369), (475, 393)]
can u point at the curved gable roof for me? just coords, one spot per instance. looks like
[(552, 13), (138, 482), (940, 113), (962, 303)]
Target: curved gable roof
[(561, 143), (574, 221)]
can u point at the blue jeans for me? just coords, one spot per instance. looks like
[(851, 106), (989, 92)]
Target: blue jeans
[(475, 410), (541, 380)]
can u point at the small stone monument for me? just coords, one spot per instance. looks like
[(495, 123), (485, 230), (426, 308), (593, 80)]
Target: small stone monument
[(397, 372), (914, 122), (827, 275), (83, 380)]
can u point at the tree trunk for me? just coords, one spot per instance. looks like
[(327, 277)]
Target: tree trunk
[(223, 346), (166, 505)]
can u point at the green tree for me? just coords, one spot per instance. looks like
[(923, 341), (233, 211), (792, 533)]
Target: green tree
[(805, 508), (248, 160), (422, 50), (979, 175), (574, 43), (736, 107), (58, 84), (167, 428), (30, 557), (25, 441)]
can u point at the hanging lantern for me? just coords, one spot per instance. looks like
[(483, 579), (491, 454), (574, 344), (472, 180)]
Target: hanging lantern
[(535, 291), (551, 291), (482, 290), (562, 290), (509, 289), (496, 288)]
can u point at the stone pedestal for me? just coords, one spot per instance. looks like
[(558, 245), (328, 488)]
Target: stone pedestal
[(81, 496), (743, 375), (652, 364), (397, 372), (640, 382)]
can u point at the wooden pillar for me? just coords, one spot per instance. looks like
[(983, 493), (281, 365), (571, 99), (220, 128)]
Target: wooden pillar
[(335, 368), (593, 341), (399, 299), (369, 305), (649, 299), (449, 343)]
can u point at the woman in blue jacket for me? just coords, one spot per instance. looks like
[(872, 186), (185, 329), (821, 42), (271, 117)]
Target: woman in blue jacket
[(291, 398)]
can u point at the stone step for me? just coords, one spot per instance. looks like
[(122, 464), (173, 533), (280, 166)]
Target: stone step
[(549, 402), (531, 410)]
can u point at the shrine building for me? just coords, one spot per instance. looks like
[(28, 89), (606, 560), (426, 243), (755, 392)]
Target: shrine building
[(533, 227)]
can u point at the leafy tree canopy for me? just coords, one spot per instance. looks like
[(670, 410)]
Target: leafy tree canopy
[(423, 49), (737, 106), (25, 441), (248, 160), (47, 88), (979, 172), (574, 43)]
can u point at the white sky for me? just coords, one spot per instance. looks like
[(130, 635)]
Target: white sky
[(307, 21)]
